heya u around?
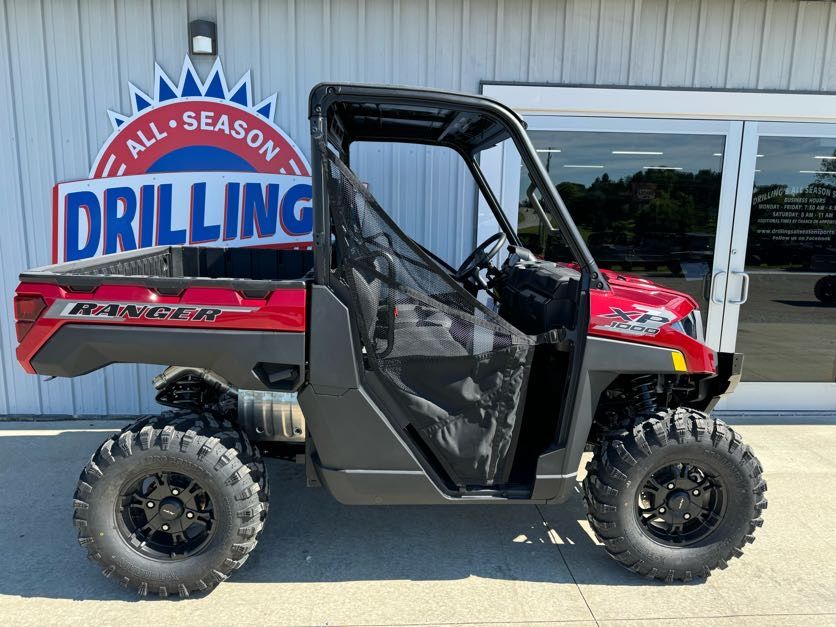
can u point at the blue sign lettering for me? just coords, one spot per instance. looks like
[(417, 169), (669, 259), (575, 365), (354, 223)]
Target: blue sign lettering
[(118, 229), (166, 236), (290, 223), (75, 202), (199, 231), (258, 212)]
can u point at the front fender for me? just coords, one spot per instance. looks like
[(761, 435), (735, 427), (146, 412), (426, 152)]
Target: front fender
[(604, 359)]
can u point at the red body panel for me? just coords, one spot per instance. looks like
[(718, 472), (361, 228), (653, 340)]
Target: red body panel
[(633, 310), (620, 313), (281, 310)]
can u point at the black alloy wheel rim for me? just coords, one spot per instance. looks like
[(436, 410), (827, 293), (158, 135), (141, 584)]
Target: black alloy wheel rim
[(165, 515), (680, 504)]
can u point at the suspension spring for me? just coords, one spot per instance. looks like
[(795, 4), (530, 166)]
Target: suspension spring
[(192, 388), (643, 395), (187, 390), (183, 393)]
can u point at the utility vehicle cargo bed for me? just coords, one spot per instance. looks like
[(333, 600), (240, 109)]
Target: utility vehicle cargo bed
[(238, 311), (171, 268)]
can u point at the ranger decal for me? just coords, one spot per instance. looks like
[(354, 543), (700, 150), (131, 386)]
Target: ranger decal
[(140, 311)]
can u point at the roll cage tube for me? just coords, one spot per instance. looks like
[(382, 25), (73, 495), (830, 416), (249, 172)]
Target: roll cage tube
[(341, 114)]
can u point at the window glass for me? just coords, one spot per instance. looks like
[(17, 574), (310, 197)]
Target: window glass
[(787, 328), (537, 228), (645, 203), (427, 190)]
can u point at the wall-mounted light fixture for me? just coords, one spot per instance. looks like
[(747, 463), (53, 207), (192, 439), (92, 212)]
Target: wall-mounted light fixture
[(203, 37)]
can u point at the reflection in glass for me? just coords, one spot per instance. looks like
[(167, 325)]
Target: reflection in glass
[(787, 328), (646, 203)]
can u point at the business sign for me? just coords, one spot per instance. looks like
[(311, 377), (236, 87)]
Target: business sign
[(196, 163)]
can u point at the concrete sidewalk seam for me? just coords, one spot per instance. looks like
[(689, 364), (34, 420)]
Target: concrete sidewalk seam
[(715, 616), (566, 563), (591, 621)]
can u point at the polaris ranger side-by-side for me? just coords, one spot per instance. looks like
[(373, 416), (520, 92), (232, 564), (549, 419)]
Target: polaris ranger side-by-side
[(412, 390)]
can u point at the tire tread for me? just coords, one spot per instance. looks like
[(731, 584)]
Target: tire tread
[(618, 452), (239, 463)]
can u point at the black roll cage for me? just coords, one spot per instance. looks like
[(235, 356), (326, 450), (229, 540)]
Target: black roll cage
[(341, 114), (406, 115)]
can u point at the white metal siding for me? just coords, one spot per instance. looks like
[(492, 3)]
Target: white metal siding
[(63, 64)]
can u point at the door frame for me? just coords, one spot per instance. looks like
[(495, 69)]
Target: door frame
[(792, 396), (652, 102), (781, 110)]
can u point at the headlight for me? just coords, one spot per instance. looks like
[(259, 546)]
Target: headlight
[(691, 325)]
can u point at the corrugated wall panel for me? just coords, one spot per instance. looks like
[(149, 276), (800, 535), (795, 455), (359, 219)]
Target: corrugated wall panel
[(680, 47), (62, 65), (29, 101), (580, 47), (18, 393), (777, 45), (616, 31), (713, 43), (828, 70), (810, 37), (746, 41), (649, 42)]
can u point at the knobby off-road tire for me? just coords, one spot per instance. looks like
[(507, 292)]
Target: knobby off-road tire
[(228, 473), (615, 494)]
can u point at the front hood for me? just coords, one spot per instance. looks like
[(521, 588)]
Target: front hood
[(637, 310), (641, 291)]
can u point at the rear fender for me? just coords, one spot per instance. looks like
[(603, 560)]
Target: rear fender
[(246, 359)]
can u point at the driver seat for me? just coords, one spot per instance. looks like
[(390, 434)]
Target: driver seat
[(410, 320)]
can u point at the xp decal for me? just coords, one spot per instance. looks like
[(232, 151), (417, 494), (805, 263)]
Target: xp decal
[(641, 321), (196, 163), (139, 311)]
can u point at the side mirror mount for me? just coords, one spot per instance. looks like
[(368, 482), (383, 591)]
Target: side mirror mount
[(535, 202)]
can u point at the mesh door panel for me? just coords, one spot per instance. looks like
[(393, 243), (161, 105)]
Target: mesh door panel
[(456, 368)]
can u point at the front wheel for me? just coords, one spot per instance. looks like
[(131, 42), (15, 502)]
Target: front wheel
[(676, 496), (172, 505)]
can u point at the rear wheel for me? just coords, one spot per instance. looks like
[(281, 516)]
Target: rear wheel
[(676, 496), (173, 504)]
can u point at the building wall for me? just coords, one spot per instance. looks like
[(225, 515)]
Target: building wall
[(63, 64)]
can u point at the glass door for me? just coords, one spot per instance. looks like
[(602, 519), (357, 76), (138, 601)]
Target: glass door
[(651, 197), (781, 289)]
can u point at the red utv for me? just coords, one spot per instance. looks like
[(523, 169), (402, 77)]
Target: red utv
[(412, 389)]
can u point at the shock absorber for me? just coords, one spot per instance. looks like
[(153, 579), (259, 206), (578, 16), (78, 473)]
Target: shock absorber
[(186, 387), (643, 393)]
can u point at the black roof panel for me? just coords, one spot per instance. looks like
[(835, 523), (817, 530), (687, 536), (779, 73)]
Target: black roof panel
[(413, 115)]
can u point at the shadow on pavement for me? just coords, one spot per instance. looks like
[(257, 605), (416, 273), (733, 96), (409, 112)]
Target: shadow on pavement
[(309, 537)]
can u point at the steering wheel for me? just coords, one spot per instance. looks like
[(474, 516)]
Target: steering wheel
[(480, 259)]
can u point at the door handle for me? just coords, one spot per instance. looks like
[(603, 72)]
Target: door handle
[(717, 275), (744, 289)]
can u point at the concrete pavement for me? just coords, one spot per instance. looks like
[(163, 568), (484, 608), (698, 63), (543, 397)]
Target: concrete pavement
[(323, 563)]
